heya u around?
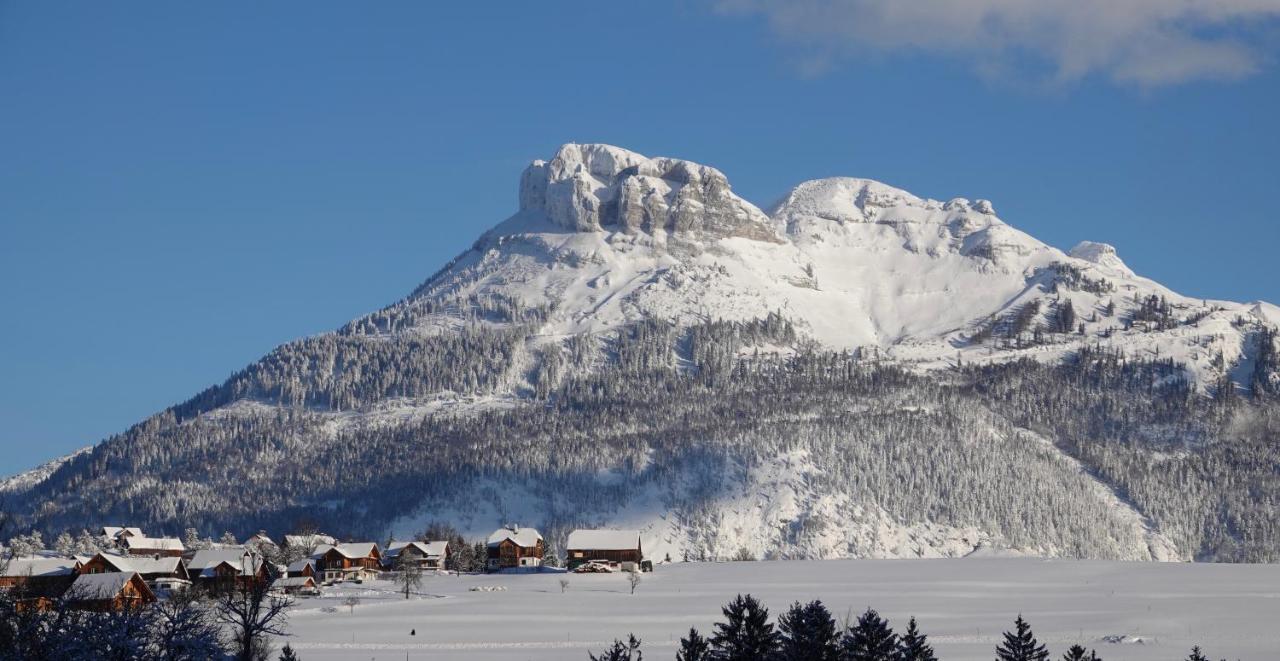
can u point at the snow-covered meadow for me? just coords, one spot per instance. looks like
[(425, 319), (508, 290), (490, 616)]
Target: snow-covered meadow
[(1153, 610)]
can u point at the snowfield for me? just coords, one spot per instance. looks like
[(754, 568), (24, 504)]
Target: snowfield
[(1127, 611)]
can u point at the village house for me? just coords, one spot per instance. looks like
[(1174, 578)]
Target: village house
[(619, 548), (512, 547), (353, 561), (303, 585), (111, 591), (32, 571), (152, 546), (111, 535), (424, 555), (259, 538), (166, 573), (302, 568), (227, 567)]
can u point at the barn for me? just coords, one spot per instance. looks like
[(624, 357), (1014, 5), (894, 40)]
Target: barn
[(619, 548)]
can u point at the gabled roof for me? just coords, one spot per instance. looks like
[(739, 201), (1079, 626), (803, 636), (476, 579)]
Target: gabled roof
[(429, 549), (524, 537), (354, 549), (143, 564), (603, 540), (41, 566), (92, 587), (154, 543), (294, 582), (113, 532), (204, 561), (299, 565), (259, 537)]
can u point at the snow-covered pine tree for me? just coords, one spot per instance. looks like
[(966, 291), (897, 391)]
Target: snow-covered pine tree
[(1021, 644), (694, 647), (914, 646), (746, 634), (870, 639), (808, 633)]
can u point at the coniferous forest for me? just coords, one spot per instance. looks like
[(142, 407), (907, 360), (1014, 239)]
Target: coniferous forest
[(1016, 449)]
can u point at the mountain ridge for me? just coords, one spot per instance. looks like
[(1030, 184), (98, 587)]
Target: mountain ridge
[(620, 277)]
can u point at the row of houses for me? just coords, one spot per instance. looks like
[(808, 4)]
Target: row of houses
[(136, 568)]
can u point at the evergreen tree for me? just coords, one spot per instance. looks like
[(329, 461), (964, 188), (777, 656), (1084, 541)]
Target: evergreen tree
[(746, 634), (1078, 653), (1021, 644), (1197, 655), (287, 653), (914, 646), (870, 639), (694, 647), (808, 633), (620, 651)]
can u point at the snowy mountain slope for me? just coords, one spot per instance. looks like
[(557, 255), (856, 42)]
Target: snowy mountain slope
[(638, 346), (605, 237)]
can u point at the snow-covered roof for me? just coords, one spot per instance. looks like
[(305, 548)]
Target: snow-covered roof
[(41, 566), (430, 549), (112, 532), (259, 537), (603, 539), (143, 564), (525, 537), (204, 561), (154, 543), (353, 549), (99, 586), (299, 565), (294, 582)]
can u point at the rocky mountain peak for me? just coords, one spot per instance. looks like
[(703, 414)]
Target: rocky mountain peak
[(594, 187), (1102, 254)]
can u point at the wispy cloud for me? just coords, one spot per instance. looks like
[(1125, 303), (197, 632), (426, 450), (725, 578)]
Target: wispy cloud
[(1146, 43)]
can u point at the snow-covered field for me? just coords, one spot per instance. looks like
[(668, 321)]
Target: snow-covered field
[(1157, 610)]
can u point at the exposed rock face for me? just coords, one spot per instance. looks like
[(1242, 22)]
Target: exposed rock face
[(590, 188), (1102, 254)]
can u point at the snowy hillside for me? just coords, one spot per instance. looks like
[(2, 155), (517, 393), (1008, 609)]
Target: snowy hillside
[(856, 372), (606, 237)]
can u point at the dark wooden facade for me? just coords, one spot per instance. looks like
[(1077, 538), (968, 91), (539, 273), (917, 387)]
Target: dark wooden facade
[(506, 554)]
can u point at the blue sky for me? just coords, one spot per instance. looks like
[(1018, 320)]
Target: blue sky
[(184, 186)]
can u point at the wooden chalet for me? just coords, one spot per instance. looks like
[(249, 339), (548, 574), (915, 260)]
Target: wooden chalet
[(424, 555), (153, 546), (619, 548), (302, 568), (305, 585), (353, 561), (512, 547), (225, 568), (34, 569), (170, 571), (113, 534), (111, 591), (38, 581)]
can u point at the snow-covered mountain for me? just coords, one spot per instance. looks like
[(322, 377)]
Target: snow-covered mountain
[(725, 378), (606, 237)]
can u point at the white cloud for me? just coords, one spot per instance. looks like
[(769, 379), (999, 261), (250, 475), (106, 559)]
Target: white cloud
[(1146, 43)]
